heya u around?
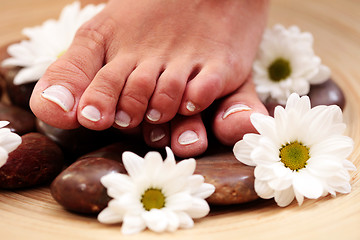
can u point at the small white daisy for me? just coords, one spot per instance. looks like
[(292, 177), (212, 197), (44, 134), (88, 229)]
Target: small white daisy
[(286, 63), (9, 141), (301, 152), (47, 42), (160, 195)]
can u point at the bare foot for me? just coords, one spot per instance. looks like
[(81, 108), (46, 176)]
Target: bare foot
[(231, 120), (150, 59)]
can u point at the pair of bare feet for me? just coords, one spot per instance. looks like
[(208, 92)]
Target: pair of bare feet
[(159, 64)]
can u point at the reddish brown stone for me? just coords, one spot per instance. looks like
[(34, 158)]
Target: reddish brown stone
[(233, 181), (327, 93), (21, 121), (37, 160), (78, 188)]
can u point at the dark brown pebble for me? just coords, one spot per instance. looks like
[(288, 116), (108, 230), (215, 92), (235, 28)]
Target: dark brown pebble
[(79, 141), (37, 160), (21, 121), (233, 181), (327, 93), (78, 188)]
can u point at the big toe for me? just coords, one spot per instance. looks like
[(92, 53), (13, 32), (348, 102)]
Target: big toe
[(232, 117), (56, 95)]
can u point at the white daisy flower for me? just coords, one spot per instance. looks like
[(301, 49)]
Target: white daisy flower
[(160, 195), (286, 63), (9, 141), (47, 42), (301, 152)]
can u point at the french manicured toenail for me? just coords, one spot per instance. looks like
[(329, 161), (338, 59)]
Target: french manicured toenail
[(91, 113), (190, 106), (157, 134), (153, 115), (59, 95), (122, 119), (236, 108), (188, 137)]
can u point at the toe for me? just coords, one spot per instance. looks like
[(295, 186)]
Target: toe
[(98, 103), (232, 118), (212, 82), (168, 92), (156, 135), (188, 136), (137, 91), (56, 95)]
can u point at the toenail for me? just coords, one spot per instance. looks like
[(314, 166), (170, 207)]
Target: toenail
[(59, 95), (122, 119), (157, 134), (153, 115), (188, 137), (91, 113), (236, 108), (190, 106)]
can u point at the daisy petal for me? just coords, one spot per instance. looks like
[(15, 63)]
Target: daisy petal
[(299, 198), (242, 151), (349, 165), (133, 164), (285, 197), (323, 75), (3, 157), (173, 221), (156, 220), (263, 190), (108, 216), (179, 201), (185, 220), (132, 224), (199, 208), (307, 185), (4, 123)]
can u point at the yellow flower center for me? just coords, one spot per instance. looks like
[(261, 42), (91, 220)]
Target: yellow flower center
[(280, 69), (294, 155), (153, 198), (61, 53)]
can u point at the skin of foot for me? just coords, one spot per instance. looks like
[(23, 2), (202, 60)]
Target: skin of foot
[(229, 122), (150, 60)]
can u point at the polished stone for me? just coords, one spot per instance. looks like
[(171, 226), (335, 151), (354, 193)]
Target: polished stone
[(21, 121), (36, 161), (78, 188)]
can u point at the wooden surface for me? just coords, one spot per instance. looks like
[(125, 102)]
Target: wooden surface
[(33, 214)]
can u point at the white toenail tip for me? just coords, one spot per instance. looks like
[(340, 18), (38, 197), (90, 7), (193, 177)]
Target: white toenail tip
[(91, 113), (190, 106), (122, 119), (188, 137), (236, 108), (153, 115), (59, 95), (156, 135)]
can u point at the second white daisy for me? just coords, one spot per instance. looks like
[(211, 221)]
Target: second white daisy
[(286, 63), (301, 152), (159, 195)]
